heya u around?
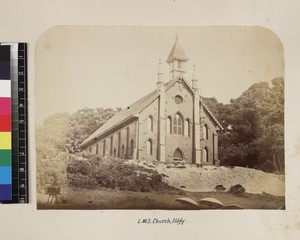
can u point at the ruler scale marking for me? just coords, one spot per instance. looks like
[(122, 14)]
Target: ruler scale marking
[(19, 123)]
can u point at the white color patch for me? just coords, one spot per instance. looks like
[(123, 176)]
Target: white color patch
[(5, 88)]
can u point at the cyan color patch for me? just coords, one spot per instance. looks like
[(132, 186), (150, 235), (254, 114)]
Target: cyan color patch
[(5, 175)]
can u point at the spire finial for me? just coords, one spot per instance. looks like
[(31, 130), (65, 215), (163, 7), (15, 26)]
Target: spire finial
[(195, 78), (160, 71), (176, 38)]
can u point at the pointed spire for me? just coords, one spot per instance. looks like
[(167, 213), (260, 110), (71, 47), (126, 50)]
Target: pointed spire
[(177, 52), (176, 60), (195, 78)]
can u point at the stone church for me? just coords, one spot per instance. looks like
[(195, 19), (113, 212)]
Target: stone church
[(171, 123)]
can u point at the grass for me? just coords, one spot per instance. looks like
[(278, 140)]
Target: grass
[(79, 198)]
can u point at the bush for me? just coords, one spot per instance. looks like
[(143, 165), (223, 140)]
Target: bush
[(237, 190), (90, 171)]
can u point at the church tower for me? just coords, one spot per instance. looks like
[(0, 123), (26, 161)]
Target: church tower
[(176, 60)]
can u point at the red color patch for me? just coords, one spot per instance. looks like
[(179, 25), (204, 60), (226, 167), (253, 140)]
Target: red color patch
[(5, 123)]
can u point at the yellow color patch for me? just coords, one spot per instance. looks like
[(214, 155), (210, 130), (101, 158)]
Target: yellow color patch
[(5, 140)]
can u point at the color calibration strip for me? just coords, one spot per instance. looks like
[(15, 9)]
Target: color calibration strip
[(18, 126), (5, 124)]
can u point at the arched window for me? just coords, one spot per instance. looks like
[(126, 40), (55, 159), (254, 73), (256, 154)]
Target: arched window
[(177, 125), (149, 147), (104, 150), (115, 152), (111, 144), (131, 147), (150, 123), (123, 151), (187, 127), (169, 125), (97, 148), (205, 131), (119, 144), (205, 155)]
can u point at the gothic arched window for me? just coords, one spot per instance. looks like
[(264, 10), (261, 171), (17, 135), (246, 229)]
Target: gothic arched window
[(205, 155), (111, 144), (187, 127), (177, 125), (97, 148), (104, 150), (123, 151), (178, 155), (149, 147), (150, 123), (205, 131), (131, 147), (169, 125)]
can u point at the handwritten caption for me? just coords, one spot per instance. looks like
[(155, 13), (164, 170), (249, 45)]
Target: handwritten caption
[(177, 221)]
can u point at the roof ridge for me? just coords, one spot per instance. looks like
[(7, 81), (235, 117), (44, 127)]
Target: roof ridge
[(125, 113)]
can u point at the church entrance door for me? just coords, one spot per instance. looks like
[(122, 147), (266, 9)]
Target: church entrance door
[(178, 155)]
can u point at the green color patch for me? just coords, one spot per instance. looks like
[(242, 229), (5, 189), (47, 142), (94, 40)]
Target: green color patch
[(5, 157)]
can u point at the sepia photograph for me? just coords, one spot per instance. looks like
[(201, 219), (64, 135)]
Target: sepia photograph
[(173, 118)]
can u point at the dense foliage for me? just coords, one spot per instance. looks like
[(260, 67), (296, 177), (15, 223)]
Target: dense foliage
[(254, 127), (91, 171), (83, 123), (60, 136)]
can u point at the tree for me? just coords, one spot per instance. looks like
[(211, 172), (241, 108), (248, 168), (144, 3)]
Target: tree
[(59, 137), (254, 127), (51, 152), (84, 122)]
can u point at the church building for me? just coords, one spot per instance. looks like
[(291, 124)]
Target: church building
[(171, 123)]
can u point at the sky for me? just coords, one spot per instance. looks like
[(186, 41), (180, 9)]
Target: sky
[(96, 66)]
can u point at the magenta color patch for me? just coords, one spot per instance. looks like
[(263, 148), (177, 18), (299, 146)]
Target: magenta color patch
[(5, 107)]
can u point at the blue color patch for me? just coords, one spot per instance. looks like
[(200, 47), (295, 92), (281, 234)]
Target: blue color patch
[(5, 175), (5, 192)]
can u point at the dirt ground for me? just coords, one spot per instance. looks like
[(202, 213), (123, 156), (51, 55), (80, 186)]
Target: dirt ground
[(116, 199), (204, 179)]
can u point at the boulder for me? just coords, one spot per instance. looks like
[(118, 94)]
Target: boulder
[(220, 188), (210, 203), (188, 202), (233, 206)]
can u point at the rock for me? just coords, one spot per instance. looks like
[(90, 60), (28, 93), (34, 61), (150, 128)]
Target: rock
[(233, 206), (148, 164), (181, 166), (210, 203), (220, 187), (188, 202)]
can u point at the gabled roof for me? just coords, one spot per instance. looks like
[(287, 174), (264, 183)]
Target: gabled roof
[(122, 116), (177, 53), (134, 109)]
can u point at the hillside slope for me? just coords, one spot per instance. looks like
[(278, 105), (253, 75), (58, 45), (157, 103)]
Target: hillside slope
[(202, 179)]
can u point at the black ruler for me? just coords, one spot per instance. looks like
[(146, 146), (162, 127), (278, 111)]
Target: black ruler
[(19, 100)]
